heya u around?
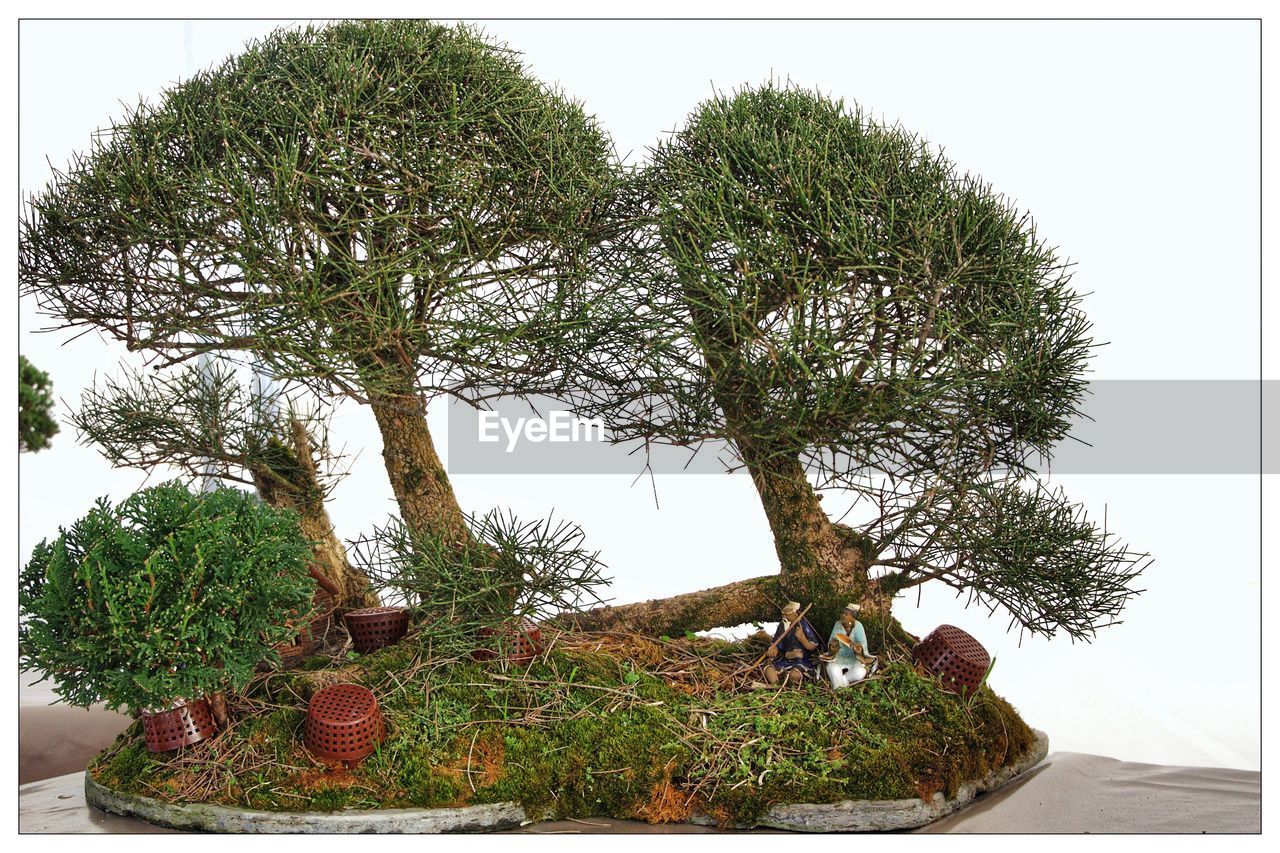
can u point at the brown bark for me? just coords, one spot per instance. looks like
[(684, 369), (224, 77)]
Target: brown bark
[(737, 603), (218, 706), (293, 483), (806, 541), (754, 600), (418, 479), (820, 564)]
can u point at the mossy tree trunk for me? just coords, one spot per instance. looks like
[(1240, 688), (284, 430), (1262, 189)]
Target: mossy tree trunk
[(820, 563), (291, 481), (418, 479)]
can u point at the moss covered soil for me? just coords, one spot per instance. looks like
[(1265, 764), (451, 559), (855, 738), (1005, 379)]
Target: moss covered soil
[(595, 726)]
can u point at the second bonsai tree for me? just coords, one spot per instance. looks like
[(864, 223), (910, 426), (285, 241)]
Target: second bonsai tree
[(169, 596)]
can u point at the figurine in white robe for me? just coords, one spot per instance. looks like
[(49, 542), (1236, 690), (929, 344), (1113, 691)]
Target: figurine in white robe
[(847, 650)]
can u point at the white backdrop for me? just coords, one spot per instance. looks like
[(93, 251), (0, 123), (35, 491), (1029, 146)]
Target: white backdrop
[(1135, 145)]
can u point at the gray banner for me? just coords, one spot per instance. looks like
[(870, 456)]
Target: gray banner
[(1131, 427)]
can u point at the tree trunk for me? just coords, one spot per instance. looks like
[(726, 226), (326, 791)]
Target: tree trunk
[(754, 600), (293, 483), (806, 541), (820, 563), (419, 481), (737, 603)]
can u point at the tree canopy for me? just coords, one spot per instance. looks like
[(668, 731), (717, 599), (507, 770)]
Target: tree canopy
[(836, 300), (344, 202), (386, 209), (203, 419), (396, 209)]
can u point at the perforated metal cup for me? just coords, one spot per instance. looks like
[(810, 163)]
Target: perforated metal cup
[(322, 606), (955, 657), (184, 724), (523, 642), (291, 655), (526, 644), (375, 627), (343, 723)]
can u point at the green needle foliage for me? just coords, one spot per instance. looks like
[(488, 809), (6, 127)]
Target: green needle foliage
[(171, 595), (204, 420), (838, 302), (385, 209), (36, 424), (347, 202), (516, 570)]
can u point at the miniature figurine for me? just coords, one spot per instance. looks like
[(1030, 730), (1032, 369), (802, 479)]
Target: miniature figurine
[(847, 657), (791, 651)]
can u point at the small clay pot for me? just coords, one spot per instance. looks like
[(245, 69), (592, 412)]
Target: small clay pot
[(184, 724), (375, 627), (524, 642), (343, 723), (322, 605), (291, 655), (955, 657)]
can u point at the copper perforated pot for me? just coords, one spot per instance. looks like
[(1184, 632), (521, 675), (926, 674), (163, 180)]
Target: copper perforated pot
[(955, 657), (309, 633), (375, 627), (291, 654), (322, 606), (184, 724), (343, 723), (523, 642)]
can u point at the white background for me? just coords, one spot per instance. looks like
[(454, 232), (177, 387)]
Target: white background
[(1134, 144)]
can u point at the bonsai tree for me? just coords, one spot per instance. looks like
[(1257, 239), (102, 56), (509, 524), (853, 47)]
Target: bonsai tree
[(36, 424), (203, 420), (839, 304), (390, 210), (170, 595)]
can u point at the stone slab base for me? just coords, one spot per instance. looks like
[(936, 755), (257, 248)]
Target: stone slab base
[(845, 816), (885, 815)]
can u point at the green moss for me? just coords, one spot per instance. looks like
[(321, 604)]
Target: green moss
[(583, 732), (412, 478), (379, 664), (594, 765), (127, 761)]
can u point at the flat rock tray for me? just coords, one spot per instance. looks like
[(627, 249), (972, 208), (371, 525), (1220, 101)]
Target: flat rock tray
[(845, 816)]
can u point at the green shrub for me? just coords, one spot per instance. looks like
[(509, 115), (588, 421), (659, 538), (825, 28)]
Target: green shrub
[(35, 408), (511, 571), (171, 595)]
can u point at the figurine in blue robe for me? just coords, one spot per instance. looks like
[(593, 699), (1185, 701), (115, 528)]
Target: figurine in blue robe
[(792, 653)]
